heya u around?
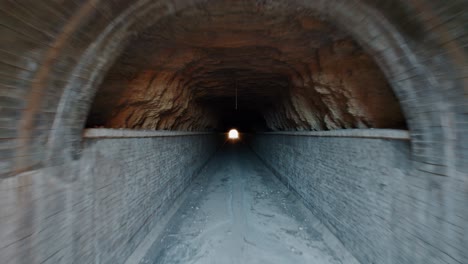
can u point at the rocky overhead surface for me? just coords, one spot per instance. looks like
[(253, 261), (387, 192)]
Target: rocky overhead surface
[(290, 71)]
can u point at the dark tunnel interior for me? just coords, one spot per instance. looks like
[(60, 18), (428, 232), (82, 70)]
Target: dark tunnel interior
[(284, 70), (352, 118)]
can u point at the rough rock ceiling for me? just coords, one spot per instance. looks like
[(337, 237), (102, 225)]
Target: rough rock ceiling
[(291, 72)]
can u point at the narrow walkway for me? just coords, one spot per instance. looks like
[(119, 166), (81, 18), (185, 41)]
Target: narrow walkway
[(238, 212)]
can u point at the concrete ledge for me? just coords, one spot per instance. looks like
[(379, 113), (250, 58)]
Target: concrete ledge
[(130, 133), (356, 133)]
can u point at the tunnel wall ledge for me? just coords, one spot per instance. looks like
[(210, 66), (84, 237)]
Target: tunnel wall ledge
[(130, 133), (104, 204), (356, 133)]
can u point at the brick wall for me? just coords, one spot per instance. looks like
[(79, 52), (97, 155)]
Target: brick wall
[(55, 54), (368, 193), (98, 208)]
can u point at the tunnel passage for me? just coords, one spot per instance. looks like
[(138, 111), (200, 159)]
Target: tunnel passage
[(166, 73), (221, 65)]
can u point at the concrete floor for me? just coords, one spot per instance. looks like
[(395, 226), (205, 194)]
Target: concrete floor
[(236, 211)]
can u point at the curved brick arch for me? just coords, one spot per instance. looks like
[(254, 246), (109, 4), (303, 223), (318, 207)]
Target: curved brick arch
[(54, 59), (418, 77)]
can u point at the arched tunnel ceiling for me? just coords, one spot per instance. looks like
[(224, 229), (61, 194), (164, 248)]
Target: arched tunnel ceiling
[(291, 72)]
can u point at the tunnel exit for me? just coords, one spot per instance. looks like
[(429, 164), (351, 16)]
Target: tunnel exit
[(233, 134)]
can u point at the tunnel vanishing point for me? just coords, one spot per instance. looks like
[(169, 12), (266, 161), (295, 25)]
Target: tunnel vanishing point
[(353, 121)]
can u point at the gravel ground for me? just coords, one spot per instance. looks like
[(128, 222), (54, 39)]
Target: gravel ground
[(236, 211)]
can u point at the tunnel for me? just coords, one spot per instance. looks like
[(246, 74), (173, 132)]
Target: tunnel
[(117, 140)]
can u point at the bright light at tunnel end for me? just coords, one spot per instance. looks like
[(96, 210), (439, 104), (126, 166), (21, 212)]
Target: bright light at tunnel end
[(233, 134)]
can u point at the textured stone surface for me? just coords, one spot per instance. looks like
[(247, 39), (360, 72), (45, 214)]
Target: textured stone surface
[(99, 208), (291, 71), (369, 195), (55, 54)]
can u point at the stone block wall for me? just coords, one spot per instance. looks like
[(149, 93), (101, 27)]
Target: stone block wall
[(99, 208), (368, 193)]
